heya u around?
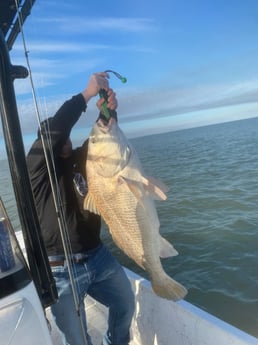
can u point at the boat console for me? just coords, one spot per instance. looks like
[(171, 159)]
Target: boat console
[(14, 273), (20, 305)]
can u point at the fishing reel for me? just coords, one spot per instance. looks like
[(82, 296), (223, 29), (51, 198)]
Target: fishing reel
[(103, 93)]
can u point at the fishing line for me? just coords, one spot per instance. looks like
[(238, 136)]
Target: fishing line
[(49, 158)]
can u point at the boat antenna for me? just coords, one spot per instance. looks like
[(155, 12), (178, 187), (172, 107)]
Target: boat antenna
[(48, 152)]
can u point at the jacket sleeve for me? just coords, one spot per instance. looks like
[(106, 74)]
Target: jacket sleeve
[(57, 129)]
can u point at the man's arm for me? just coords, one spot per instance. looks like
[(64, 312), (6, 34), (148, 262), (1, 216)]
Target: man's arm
[(62, 123), (58, 128)]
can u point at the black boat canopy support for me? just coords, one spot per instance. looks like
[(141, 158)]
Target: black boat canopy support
[(37, 258), (9, 19)]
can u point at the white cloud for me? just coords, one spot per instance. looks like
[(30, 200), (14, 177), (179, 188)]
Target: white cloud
[(46, 72), (210, 103), (49, 47), (81, 25), (174, 100), (67, 48)]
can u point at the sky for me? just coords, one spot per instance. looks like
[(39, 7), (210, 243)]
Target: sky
[(188, 63)]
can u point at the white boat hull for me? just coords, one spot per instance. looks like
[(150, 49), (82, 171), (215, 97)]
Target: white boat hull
[(161, 322), (22, 320)]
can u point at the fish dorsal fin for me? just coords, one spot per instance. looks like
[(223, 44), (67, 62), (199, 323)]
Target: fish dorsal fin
[(166, 249), (90, 205), (155, 188)]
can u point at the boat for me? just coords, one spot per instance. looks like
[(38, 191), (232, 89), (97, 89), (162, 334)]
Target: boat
[(27, 288)]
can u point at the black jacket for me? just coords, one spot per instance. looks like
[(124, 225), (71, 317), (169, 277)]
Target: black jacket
[(83, 227)]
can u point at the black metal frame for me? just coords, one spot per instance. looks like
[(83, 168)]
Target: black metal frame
[(38, 261), (9, 23)]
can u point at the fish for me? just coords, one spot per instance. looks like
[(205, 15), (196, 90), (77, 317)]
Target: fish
[(124, 197)]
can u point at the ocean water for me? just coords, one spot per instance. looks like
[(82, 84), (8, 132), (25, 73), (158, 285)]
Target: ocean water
[(211, 214)]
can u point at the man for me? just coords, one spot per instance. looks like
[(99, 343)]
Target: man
[(96, 271)]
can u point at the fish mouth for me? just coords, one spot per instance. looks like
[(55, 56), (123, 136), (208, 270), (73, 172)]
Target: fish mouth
[(105, 125)]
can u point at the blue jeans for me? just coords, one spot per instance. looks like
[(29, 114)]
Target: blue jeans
[(104, 279)]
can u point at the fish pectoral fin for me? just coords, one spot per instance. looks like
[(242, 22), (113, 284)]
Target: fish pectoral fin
[(89, 204), (155, 188), (151, 187), (134, 187), (166, 249)]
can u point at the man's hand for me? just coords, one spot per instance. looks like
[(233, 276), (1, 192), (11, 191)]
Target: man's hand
[(111, 101), (97, 81)]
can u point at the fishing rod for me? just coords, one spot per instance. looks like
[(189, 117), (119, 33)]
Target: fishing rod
[(103, 93), (55, 191)]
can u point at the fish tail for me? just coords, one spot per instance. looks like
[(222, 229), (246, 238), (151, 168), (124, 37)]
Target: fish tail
[(166, 287)]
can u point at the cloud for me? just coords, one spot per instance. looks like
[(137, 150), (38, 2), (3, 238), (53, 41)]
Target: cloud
[(48, 47), (80, 25), (62, 49), (48, 72), (50, 69), (179, 100), (222, 102), (167, 109)]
